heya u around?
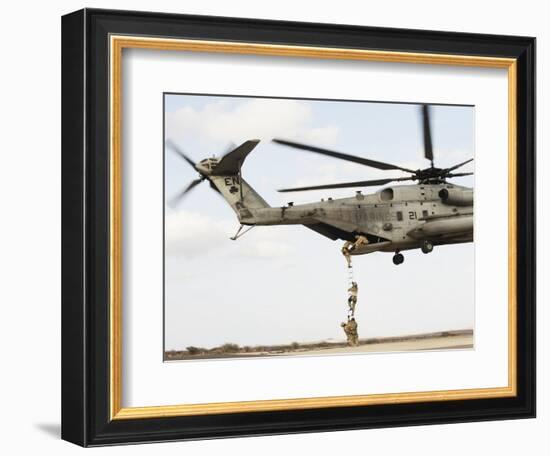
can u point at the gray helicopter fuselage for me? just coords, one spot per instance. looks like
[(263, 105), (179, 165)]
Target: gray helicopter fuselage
[(395, 218)]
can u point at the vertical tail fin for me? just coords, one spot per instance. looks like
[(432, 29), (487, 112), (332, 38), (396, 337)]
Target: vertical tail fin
[(226, 177)]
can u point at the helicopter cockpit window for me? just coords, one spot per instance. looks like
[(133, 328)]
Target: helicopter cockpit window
[(386, 194)]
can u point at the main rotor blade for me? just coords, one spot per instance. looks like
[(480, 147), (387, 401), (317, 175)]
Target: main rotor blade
[(178, 151), (459, 165), (428, 149), (341, 156), (178, 197), (459, 174), (367, 183)]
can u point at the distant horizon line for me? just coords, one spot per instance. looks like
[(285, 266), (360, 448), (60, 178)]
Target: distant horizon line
[(379, 339)]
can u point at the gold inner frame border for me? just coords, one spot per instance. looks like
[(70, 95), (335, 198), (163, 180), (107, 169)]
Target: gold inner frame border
[(116, 46)]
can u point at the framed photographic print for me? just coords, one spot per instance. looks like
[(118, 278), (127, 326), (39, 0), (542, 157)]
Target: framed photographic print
[(278, 227)]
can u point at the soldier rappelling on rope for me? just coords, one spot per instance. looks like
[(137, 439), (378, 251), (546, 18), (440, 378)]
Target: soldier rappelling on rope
[(352, 299), (350, 328), (350, 246)]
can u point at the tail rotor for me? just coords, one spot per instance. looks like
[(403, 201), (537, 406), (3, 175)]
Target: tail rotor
[(175, 200), (178, 197), (211, 169)]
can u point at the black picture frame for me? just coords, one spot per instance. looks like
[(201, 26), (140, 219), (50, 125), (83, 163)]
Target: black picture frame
[(85, 224)]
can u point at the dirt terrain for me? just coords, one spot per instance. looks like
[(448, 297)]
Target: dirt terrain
[(448, 340), (434, 343)]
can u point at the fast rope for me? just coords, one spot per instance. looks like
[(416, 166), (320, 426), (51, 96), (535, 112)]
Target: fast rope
[(352, 284), (350, 326), (352, 292)]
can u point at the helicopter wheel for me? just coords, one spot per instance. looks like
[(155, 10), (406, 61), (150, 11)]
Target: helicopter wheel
[(427, 247), (398, 258)]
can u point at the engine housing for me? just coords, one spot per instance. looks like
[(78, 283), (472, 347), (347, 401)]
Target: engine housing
[(457, 196)]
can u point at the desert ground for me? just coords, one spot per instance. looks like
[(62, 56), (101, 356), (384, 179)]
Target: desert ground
[(447, 340), (433, 343)]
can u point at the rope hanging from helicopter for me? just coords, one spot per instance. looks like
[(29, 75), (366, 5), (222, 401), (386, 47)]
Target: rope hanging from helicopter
[(350, 325), (348, 247), (352, 292)]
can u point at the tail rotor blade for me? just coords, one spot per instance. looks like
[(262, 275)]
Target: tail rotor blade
[(426, 128), (178, 151), (173, 202)]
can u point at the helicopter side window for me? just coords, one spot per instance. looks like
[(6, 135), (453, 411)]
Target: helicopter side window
[(399, 216)]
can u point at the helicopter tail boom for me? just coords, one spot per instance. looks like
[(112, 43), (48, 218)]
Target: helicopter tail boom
[(242, 198)]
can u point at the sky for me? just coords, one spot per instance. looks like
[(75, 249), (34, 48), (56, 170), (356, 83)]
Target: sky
[(283, 284)]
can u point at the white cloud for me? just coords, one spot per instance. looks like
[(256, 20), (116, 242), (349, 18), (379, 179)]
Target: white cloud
[(192, 234), (319, 136), (256, 118)]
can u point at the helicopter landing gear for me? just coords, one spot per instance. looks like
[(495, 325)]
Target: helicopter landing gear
[(398, 258), (427, 247)]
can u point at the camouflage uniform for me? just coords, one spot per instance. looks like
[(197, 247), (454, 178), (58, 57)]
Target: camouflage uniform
[(360, 241), (352, 300), (354, 335), (346, 330), (346, 249), (350, 246), (350, 328)]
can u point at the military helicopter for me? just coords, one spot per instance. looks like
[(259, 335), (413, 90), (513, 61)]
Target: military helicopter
[(422, 215)]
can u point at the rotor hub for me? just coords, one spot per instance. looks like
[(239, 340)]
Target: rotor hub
[(431, 175), (206, 167)]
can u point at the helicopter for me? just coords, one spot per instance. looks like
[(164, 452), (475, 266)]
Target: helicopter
[(430, 212)]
